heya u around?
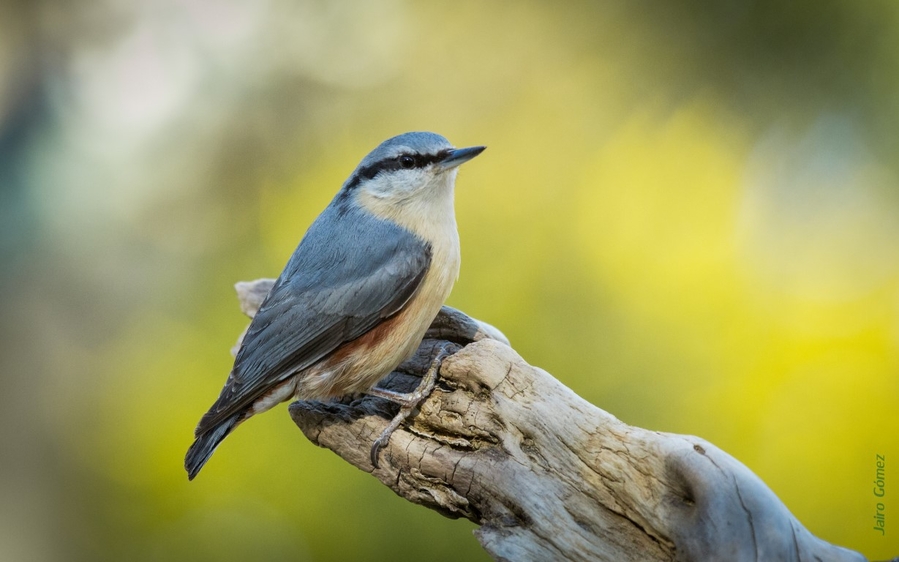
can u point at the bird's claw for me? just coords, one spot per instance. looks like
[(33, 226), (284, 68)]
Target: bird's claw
[(408, 402)]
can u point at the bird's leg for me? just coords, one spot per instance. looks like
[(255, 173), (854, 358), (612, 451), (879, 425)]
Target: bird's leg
[(408, 401)]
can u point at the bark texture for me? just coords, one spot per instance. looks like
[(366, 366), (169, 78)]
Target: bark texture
[(547, 475)]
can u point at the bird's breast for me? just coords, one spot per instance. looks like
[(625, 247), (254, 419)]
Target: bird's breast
[(357, 365)]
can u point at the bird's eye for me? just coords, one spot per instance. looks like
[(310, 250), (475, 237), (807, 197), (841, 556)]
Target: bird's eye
[(407, 161)]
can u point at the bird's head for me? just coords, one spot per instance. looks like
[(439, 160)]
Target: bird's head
[(417, 169)]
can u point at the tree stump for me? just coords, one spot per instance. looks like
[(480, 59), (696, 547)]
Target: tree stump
[(547, 475)]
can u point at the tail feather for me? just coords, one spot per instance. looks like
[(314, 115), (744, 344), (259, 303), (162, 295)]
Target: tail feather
[(205, 445)]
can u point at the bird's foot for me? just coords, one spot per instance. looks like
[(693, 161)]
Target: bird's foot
[(408, 401)]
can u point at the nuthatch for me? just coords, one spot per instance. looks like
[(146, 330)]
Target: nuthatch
[(356, 296)]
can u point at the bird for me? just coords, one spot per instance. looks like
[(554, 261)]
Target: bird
[(357, 295)]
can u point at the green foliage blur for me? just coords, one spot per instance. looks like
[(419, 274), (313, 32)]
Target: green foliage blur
[(688, 213)]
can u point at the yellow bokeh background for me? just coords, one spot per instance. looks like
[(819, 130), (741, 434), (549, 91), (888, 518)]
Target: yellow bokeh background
[(688, 213)]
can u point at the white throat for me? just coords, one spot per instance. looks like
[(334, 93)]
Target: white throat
[(428, 212)]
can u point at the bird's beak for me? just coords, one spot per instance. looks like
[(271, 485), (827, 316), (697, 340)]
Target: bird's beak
[(458, 156)]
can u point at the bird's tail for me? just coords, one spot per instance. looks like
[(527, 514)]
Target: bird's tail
[(205, 443)]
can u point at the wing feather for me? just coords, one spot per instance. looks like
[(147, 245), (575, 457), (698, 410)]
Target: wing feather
[(350, 272)]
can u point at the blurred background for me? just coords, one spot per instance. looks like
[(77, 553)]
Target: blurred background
[(688, 213)]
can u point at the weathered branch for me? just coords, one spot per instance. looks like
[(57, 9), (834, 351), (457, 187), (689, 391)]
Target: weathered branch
[(547, 475)]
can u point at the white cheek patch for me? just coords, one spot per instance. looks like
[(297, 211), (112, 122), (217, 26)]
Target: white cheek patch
[(396, 184)]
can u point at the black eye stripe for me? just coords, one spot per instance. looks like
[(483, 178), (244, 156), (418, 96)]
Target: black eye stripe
[(390, 164)]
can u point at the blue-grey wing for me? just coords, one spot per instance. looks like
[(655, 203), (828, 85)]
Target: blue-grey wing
[(350, 272)]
